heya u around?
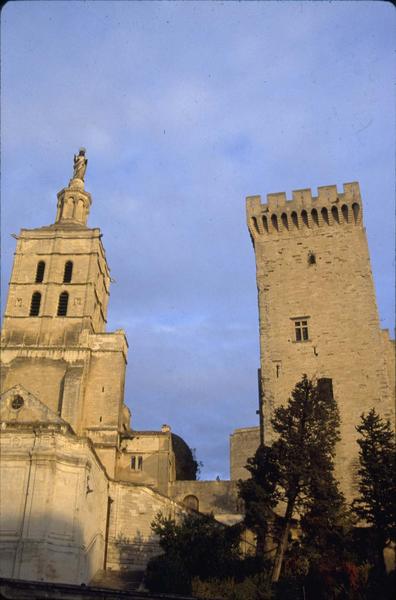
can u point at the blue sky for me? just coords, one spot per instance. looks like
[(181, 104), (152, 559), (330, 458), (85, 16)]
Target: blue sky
[(185, 108)]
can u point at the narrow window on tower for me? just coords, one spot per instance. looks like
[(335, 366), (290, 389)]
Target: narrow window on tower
[(35, 305), (311, 258), (301, 329), (40, 271), (62, 304), (68, 272)]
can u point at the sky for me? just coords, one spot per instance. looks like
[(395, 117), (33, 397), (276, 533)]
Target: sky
[(186, 108)]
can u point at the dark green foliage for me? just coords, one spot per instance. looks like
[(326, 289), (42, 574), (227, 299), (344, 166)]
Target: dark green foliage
[(166, 575), (308, 429), (298, 470), (330, 559), (259, 494), (326, 526), (381, 587), (254, 587), (377, 480), (198, 546)]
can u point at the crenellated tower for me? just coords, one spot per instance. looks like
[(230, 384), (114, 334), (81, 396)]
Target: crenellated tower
[(317, 308)]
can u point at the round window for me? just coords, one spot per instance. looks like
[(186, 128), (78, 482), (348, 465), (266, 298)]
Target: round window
[(17, 402)]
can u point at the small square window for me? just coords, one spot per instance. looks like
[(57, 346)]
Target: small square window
[(301, 330)]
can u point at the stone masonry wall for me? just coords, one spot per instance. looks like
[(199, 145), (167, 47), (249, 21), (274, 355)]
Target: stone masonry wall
[(131, 540), (53, 506), (243, 445), (88, 289), (217, 497)]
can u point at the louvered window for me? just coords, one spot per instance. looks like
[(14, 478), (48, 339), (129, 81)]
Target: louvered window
[(40, 271), (35, 304), (67, 275), (62, 304)]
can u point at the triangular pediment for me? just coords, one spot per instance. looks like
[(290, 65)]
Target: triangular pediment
[(18, 405)]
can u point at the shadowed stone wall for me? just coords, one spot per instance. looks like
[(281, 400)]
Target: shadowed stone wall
[(217, 497), (243, 445)]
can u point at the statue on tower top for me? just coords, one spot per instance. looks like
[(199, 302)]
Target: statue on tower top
[(80, 164)]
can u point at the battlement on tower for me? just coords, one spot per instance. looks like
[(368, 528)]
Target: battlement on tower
[(304, 211)]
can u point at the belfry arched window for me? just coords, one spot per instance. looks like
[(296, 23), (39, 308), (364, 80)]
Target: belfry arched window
[(68, 272), (35, 304), (62, 304), (40, 271)]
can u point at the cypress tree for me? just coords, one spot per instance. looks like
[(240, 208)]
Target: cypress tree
[(308, 429), (260, 495), (377, 481)]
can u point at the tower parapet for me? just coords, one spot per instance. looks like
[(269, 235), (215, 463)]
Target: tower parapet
[(304, 212)]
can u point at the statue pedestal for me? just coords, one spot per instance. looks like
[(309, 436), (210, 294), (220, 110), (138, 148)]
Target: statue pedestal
[(73, 203), (76, 184)]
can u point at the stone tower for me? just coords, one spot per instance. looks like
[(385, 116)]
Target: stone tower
[(79, 488), (54, 341), (317, 309)]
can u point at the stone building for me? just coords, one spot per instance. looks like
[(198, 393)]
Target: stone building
[(79, 486), (317, 309)]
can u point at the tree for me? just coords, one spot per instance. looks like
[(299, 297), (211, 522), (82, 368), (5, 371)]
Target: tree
[(297, 469), (377, 481), (324, 522), (260, 495), (308, 429), (197, 546)]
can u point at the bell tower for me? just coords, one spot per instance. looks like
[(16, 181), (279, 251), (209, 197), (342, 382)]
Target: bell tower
[(54, 339), (60, 281)]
